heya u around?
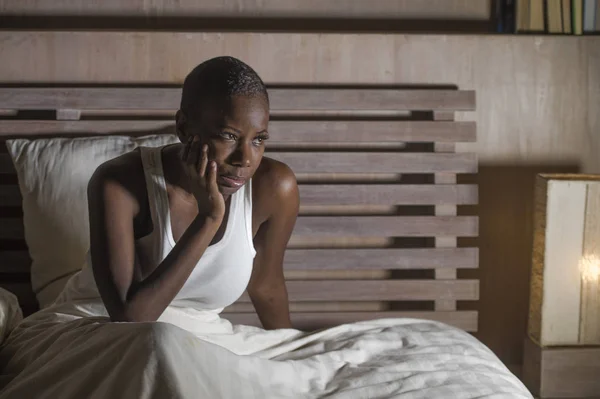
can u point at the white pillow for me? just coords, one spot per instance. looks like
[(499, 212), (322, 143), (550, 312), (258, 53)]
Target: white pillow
[(53, 175)]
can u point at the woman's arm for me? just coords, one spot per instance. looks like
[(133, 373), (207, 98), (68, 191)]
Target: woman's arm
[(112, 210), (267, 285)]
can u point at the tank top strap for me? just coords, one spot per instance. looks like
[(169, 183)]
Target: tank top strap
[(246, 200), (156, 186)]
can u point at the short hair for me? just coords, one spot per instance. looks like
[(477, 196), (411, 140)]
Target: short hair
[(220, 78)]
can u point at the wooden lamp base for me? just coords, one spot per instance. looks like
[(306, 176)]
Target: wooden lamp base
[(561, 372)]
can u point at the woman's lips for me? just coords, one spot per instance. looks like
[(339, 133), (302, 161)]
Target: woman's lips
[(232, 181)]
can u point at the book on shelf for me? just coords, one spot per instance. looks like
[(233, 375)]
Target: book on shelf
[(567, 21), (505, 16), (536, 16), (554, 23), (548, 16), (589, 15), (577, 14)]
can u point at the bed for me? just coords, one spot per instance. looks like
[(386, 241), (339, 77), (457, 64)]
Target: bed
[(371, 269)]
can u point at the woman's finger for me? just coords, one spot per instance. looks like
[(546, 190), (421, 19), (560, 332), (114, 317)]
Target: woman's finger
[(198, 157), (212, 178), (190, 171), (193, 153), (203, 161), (186, 150)]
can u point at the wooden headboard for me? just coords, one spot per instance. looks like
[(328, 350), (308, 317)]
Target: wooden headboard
[(377, 168)]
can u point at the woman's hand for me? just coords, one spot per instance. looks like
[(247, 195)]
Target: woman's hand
[(202, 175)]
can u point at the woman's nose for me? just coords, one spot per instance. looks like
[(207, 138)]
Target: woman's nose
[(241, 156)]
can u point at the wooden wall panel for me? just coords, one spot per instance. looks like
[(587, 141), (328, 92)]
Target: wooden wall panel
[(535, 99), (436, 9), (592, 56), (529, 88)]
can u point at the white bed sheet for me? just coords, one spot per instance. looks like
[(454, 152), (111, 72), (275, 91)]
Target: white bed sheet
[(57, 353)]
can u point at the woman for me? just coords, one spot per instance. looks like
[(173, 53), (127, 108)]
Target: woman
[(199, 221)]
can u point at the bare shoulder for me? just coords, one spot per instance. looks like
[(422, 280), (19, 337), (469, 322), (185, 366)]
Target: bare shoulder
[(118, 177), (274, 188), (121, 169), (274, 177)]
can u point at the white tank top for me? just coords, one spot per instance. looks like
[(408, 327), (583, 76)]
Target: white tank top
[(222, 273)]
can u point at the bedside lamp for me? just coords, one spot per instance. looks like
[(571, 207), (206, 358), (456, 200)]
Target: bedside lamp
[(562, 349)]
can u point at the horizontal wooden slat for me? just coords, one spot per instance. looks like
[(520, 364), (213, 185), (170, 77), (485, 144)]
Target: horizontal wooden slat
[(10, 195), (363, 210), (6, 164), (347, 194), (330, 274), (367, 99), (466, 320), (342, 226), (282, 99), (379, 290), (388, 226), (372, 131), (326, 306), (284, 131), (89, 98), (351, 259), (24, 128), (379, 194), (11, 228), (14, 262), (330, 259), (345, 162), (355, 162)]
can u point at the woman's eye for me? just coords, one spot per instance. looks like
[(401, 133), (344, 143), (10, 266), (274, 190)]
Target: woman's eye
[(260, 140), (228, 136)]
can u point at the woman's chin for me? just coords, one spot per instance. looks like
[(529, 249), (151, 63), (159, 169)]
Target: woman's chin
[(228, 190)]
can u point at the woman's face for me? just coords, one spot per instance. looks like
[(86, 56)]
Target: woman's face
[(235, 133)]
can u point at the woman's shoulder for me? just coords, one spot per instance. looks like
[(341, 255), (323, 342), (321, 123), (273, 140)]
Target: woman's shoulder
[(125, 167), (123, 173), (274, 187), (274, 177)]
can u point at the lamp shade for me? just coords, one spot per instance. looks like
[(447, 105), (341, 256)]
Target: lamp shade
[(565, 278)]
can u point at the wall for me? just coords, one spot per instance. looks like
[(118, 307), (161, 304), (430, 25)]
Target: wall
[(537, 111), (254, 15), (437, 9)]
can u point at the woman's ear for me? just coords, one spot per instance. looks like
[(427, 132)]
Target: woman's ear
[(180, 126)]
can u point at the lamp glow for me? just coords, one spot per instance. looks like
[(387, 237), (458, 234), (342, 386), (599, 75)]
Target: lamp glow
[(589, 266)]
